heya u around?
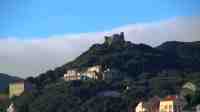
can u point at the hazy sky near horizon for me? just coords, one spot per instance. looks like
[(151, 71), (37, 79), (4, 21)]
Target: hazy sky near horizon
[(38, 35)]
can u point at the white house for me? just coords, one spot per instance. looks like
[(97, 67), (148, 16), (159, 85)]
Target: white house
[(72, 75)]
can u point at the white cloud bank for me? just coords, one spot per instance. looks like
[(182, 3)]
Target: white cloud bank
[(29, 57)]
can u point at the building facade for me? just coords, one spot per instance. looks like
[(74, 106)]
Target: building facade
[(170, 104), (72, 75)]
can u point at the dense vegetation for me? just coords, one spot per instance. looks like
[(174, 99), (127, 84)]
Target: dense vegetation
[(82, 96)]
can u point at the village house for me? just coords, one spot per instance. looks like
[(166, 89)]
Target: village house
[(72, 75), (171, 104), (17, 88)]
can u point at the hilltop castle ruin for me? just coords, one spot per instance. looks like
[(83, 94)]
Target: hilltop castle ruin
[(115, 38)]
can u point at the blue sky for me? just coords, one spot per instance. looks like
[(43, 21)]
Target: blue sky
[(42, 18)]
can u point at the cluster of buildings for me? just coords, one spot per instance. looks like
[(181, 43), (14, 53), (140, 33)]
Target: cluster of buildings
[(96, 72), (172, 103)]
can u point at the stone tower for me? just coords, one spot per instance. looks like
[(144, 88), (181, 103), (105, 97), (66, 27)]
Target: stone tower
[(115, 38)]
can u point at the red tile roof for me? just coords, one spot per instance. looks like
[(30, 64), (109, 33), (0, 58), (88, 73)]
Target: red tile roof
[(171, 97)]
